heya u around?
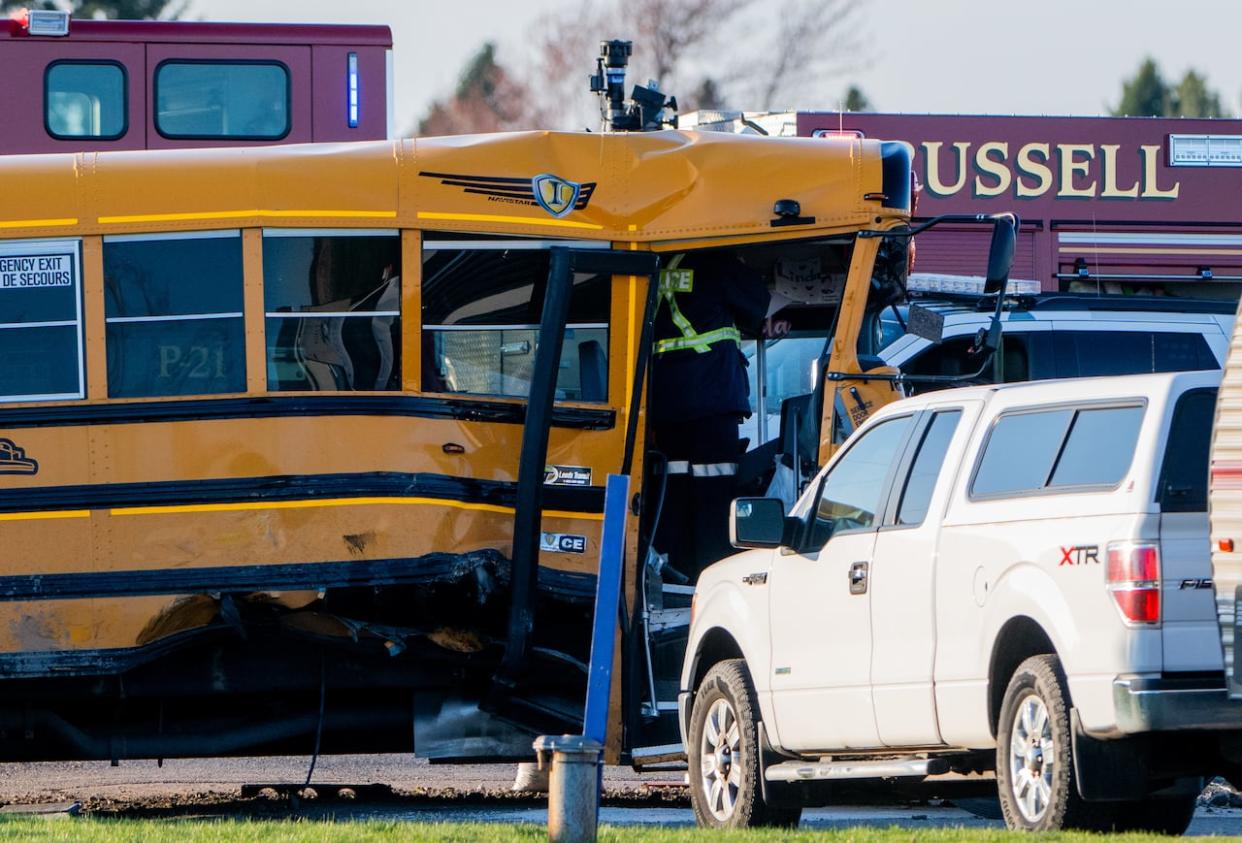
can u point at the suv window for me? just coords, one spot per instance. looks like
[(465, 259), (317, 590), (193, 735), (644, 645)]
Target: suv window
[(921, 482), (1184, 475), (954, 357), (1130, 352), (1031, 451), (852, 491)]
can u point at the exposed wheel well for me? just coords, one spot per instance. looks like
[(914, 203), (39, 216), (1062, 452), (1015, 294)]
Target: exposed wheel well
[(716, 646), (1019, 639)]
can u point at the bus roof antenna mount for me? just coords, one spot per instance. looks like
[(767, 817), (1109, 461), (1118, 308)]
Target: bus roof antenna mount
[(645, 110)]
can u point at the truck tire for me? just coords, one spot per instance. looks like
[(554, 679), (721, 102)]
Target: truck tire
[(724, 752), (1034, 768)]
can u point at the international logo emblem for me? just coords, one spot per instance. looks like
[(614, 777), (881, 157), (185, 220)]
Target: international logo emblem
[(554, 194), (13, 459)]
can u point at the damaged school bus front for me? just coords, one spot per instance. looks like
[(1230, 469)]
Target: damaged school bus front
[(311, 441)]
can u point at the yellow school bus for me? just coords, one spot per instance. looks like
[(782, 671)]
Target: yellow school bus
[(282, 467)]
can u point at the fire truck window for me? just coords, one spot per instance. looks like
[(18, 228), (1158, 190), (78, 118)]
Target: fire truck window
[(84, 100), (481, 314), (173, 313), (220, 99), (40, 321), (333, 310)]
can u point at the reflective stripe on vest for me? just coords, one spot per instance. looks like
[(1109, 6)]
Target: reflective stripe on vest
[(689, 339), (705, 469)]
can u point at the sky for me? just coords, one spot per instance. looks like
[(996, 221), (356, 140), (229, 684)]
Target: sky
[(937, 56)]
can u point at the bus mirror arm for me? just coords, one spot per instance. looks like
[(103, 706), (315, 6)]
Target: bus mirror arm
[(904, 378)]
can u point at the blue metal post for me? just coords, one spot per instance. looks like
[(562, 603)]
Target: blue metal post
[(607, 600)]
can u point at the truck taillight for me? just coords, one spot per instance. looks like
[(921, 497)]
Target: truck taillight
[(1133, 578)]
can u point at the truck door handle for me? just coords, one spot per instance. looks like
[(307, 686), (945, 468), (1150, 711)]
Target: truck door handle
[(858, 578)]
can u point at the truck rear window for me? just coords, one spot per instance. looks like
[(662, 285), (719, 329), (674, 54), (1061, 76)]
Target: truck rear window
[(1089, 447), (1183, 483)]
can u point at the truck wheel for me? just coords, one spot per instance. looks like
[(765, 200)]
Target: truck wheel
[(725, 790), (1034, 769)]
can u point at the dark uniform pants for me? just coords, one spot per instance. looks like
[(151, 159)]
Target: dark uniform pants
[(702, 466)]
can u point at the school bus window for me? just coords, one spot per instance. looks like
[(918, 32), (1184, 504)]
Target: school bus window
[(173, 313), (332, 302), (220, 99), (84, 100), (40, 321), (481, 312)]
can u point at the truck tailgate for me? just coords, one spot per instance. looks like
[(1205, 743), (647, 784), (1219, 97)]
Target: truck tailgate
[(1191, 637)]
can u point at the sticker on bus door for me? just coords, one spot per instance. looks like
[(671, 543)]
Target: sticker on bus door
[(566, 475), (562, 543)]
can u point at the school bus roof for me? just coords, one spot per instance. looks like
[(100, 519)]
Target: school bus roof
[(671, 185)]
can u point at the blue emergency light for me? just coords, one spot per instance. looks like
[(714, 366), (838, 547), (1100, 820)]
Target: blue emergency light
[(353, 90)]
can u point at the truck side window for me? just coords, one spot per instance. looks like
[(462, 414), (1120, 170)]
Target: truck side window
[(173, 314), (1020, 452), (854, 487), (1099, 448), (481, 314), (333, 310), (921, 482), (1184, 474), (1028, 452)]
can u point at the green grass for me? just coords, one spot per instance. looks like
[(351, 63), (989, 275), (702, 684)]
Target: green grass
[(311, 831)]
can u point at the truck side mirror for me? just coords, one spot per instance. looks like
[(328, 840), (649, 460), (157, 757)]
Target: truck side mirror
[(1000, 255), (759, 522)]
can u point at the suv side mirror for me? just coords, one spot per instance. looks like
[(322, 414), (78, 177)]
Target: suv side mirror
[(760, 522)]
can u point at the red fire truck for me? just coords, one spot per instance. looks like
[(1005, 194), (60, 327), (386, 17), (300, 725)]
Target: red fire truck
[(90, 85)]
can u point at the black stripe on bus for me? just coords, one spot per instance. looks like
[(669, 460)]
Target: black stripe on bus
[(295, 487), (296, 576), (259, 407)]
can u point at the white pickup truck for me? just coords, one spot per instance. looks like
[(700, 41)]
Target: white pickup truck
[(1013, 579)]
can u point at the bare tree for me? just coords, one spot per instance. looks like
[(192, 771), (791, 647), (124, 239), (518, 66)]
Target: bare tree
[(749, 54), (487, 99), (814, 41)]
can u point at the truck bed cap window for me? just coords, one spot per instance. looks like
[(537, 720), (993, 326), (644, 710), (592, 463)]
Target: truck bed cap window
[(1063, 448)]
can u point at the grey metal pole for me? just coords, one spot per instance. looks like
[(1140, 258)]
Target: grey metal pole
[(573, 792)]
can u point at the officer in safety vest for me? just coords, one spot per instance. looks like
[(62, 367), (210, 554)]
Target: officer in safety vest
[(699, 396)]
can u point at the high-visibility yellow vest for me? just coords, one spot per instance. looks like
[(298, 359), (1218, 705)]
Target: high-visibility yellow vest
[(673, 281)]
